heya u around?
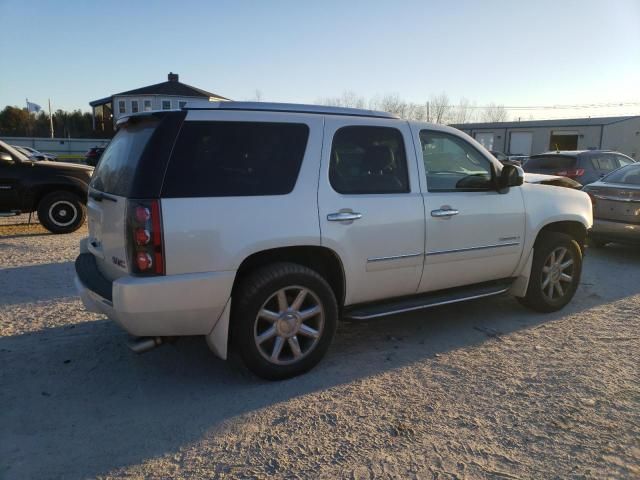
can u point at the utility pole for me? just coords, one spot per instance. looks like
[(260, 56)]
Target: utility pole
[(428, 116), (50, 119)]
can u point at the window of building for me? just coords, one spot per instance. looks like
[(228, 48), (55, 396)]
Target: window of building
[(147, 105), (166, 104), (453, 164), (368, 160), (217, 159), (181, 104), (134, 106), (122, 106)]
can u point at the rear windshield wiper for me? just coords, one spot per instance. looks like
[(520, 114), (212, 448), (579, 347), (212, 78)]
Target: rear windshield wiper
[(99, 196)]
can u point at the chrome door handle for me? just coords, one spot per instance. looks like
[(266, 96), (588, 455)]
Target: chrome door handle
[(343, 216), (444, 212)]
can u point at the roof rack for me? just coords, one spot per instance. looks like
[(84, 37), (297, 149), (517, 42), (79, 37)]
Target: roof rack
[(285, 107)]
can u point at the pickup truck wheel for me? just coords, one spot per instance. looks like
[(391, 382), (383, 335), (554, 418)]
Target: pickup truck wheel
[(61, 212), (555, 272), (283, 320)]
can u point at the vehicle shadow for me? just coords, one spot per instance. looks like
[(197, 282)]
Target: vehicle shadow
[(36, 283), (78, 404)]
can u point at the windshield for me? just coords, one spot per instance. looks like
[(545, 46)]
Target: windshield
[(17, 155), (629, 175), (117, 166)]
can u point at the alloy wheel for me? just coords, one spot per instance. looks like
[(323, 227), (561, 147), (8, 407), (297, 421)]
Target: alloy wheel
[(289, 325), (557, 274)]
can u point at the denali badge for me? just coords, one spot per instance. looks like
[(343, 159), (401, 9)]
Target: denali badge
[(119, 262)]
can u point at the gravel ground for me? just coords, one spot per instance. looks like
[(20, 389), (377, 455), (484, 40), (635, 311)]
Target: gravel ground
[(479, 390)]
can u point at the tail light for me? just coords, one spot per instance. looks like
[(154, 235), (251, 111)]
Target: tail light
[(571, 173), (144, 237)]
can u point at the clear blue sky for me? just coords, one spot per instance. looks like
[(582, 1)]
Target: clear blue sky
[(509, 52)]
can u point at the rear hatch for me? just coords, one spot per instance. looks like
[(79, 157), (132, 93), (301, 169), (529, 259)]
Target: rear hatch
[(131, 167), (551, 165)]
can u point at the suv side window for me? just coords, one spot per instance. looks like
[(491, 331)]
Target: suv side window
[(452, 164), (604, 163), (622, 161), (368, 160), (218, 159)]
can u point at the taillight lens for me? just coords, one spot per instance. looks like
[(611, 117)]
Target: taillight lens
[(144, 233), (571, 173)]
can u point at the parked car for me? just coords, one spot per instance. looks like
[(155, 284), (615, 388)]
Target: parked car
[(616, 207), (260, 225), (56, 190), (93, 155), (35, 154), (584, 166)]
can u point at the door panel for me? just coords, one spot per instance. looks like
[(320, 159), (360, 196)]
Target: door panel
[(379, 236), (473, 233), (9, 184)]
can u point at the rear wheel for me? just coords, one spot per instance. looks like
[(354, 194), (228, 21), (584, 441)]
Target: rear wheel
[(61, 212), (283, 320), (555, 272)]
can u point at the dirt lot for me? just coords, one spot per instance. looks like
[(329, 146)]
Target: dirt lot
[(481, 390)]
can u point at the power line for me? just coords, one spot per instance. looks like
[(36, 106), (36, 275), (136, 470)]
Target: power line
[(552, 107)]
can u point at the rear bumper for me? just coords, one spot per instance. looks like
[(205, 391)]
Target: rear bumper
[(171, 305), (620, 231)]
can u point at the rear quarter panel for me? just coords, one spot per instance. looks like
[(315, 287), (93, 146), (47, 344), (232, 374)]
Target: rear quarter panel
[(217, 233)]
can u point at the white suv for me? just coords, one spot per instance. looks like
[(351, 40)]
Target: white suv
[(260, 225)]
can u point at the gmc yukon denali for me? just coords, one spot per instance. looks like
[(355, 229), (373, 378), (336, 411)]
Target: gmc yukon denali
[(259, 226)]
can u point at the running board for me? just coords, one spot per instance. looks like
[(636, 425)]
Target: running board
[(368, 311)]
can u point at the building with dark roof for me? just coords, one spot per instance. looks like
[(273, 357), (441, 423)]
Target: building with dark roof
[(161, 96), (531, 137)]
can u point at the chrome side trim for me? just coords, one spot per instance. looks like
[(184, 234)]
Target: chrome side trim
[(394, 257), (429, 305), (470, 249)]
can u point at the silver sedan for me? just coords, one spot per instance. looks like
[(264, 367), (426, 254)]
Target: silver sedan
[(616, 207)]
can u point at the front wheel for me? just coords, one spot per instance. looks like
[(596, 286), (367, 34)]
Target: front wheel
[(555, 272), (283, 320), (61, 212)]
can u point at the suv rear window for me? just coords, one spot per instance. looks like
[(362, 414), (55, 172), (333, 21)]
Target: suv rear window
[(117, 166), (215, 159), (550, 162)]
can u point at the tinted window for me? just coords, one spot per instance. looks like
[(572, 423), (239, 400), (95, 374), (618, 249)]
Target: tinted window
[(453, 164), (115, 171), (549, 162), (367, 160), (629, 175), (215, 159)]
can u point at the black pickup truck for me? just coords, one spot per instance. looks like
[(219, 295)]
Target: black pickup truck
[(56, 190)]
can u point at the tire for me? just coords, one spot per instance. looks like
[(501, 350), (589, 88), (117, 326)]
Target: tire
[(276, 342), (545, 274), (61, 212)]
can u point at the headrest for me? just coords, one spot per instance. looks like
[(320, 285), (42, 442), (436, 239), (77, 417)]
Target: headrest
[(378, 157)]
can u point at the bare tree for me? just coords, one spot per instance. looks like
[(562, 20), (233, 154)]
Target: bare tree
[(494, 113), (439, 108), (463, 112), (348, 99)]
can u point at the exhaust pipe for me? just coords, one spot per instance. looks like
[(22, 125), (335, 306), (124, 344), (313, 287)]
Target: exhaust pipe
[(144, 344)]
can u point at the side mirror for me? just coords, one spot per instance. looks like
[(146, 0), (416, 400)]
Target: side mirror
[(511, 176), (5, 158)]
